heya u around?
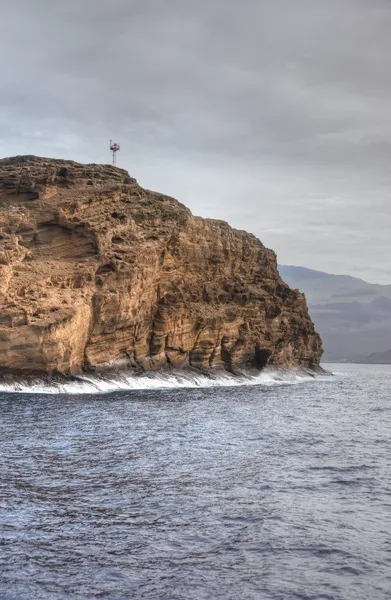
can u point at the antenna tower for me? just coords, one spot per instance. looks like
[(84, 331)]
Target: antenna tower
[(114, 148)]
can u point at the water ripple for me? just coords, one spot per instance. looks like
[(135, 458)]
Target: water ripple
[(263, 491)]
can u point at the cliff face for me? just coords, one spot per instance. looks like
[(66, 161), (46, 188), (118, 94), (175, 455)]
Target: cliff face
[(95, 269)]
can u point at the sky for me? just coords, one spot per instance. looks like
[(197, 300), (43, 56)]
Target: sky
[(274, 115)]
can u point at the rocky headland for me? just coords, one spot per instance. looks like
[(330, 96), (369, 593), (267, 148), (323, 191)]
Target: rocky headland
[(97, 271)]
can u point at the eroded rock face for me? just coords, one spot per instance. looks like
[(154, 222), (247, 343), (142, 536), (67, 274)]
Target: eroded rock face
[(95, 269)]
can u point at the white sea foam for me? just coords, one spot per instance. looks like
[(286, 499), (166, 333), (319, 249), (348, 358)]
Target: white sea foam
[(122, 381)]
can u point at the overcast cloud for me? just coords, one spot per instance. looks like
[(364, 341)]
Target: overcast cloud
[(274, 115)]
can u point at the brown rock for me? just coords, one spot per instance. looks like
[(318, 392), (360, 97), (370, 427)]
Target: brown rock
[(94, 269)]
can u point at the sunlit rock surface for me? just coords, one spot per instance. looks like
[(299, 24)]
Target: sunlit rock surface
[(95, 270)]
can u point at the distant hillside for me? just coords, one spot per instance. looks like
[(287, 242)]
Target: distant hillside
[(379, 358), (322, 288), (352, 316)]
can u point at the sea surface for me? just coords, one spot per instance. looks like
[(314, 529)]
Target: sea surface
[(278, 488)]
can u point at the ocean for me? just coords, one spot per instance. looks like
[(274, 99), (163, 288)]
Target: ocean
[(182, 488)]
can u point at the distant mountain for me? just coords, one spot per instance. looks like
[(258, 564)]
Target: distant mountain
[(322, 288), (352, 316), (379, 358)]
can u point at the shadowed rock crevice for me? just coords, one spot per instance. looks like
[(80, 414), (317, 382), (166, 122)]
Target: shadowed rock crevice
[(261, 357)]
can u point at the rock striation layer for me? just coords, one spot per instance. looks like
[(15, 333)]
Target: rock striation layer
[(95, 270)]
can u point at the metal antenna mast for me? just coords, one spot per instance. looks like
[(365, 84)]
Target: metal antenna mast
[(114, 148)]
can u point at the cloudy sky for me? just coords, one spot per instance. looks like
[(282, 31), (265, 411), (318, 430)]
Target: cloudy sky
[(274, 115)]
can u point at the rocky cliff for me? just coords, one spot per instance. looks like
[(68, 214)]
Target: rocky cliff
[(94, 270)]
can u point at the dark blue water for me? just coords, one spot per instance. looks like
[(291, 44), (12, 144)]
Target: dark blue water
[(261, 492)]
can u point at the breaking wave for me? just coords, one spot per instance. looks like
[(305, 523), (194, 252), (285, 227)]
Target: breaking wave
[(125, 381)]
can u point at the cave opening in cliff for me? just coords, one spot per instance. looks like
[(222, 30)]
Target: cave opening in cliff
[(261, 357)]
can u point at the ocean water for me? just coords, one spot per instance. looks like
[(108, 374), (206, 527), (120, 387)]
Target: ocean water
[(277, 487)]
